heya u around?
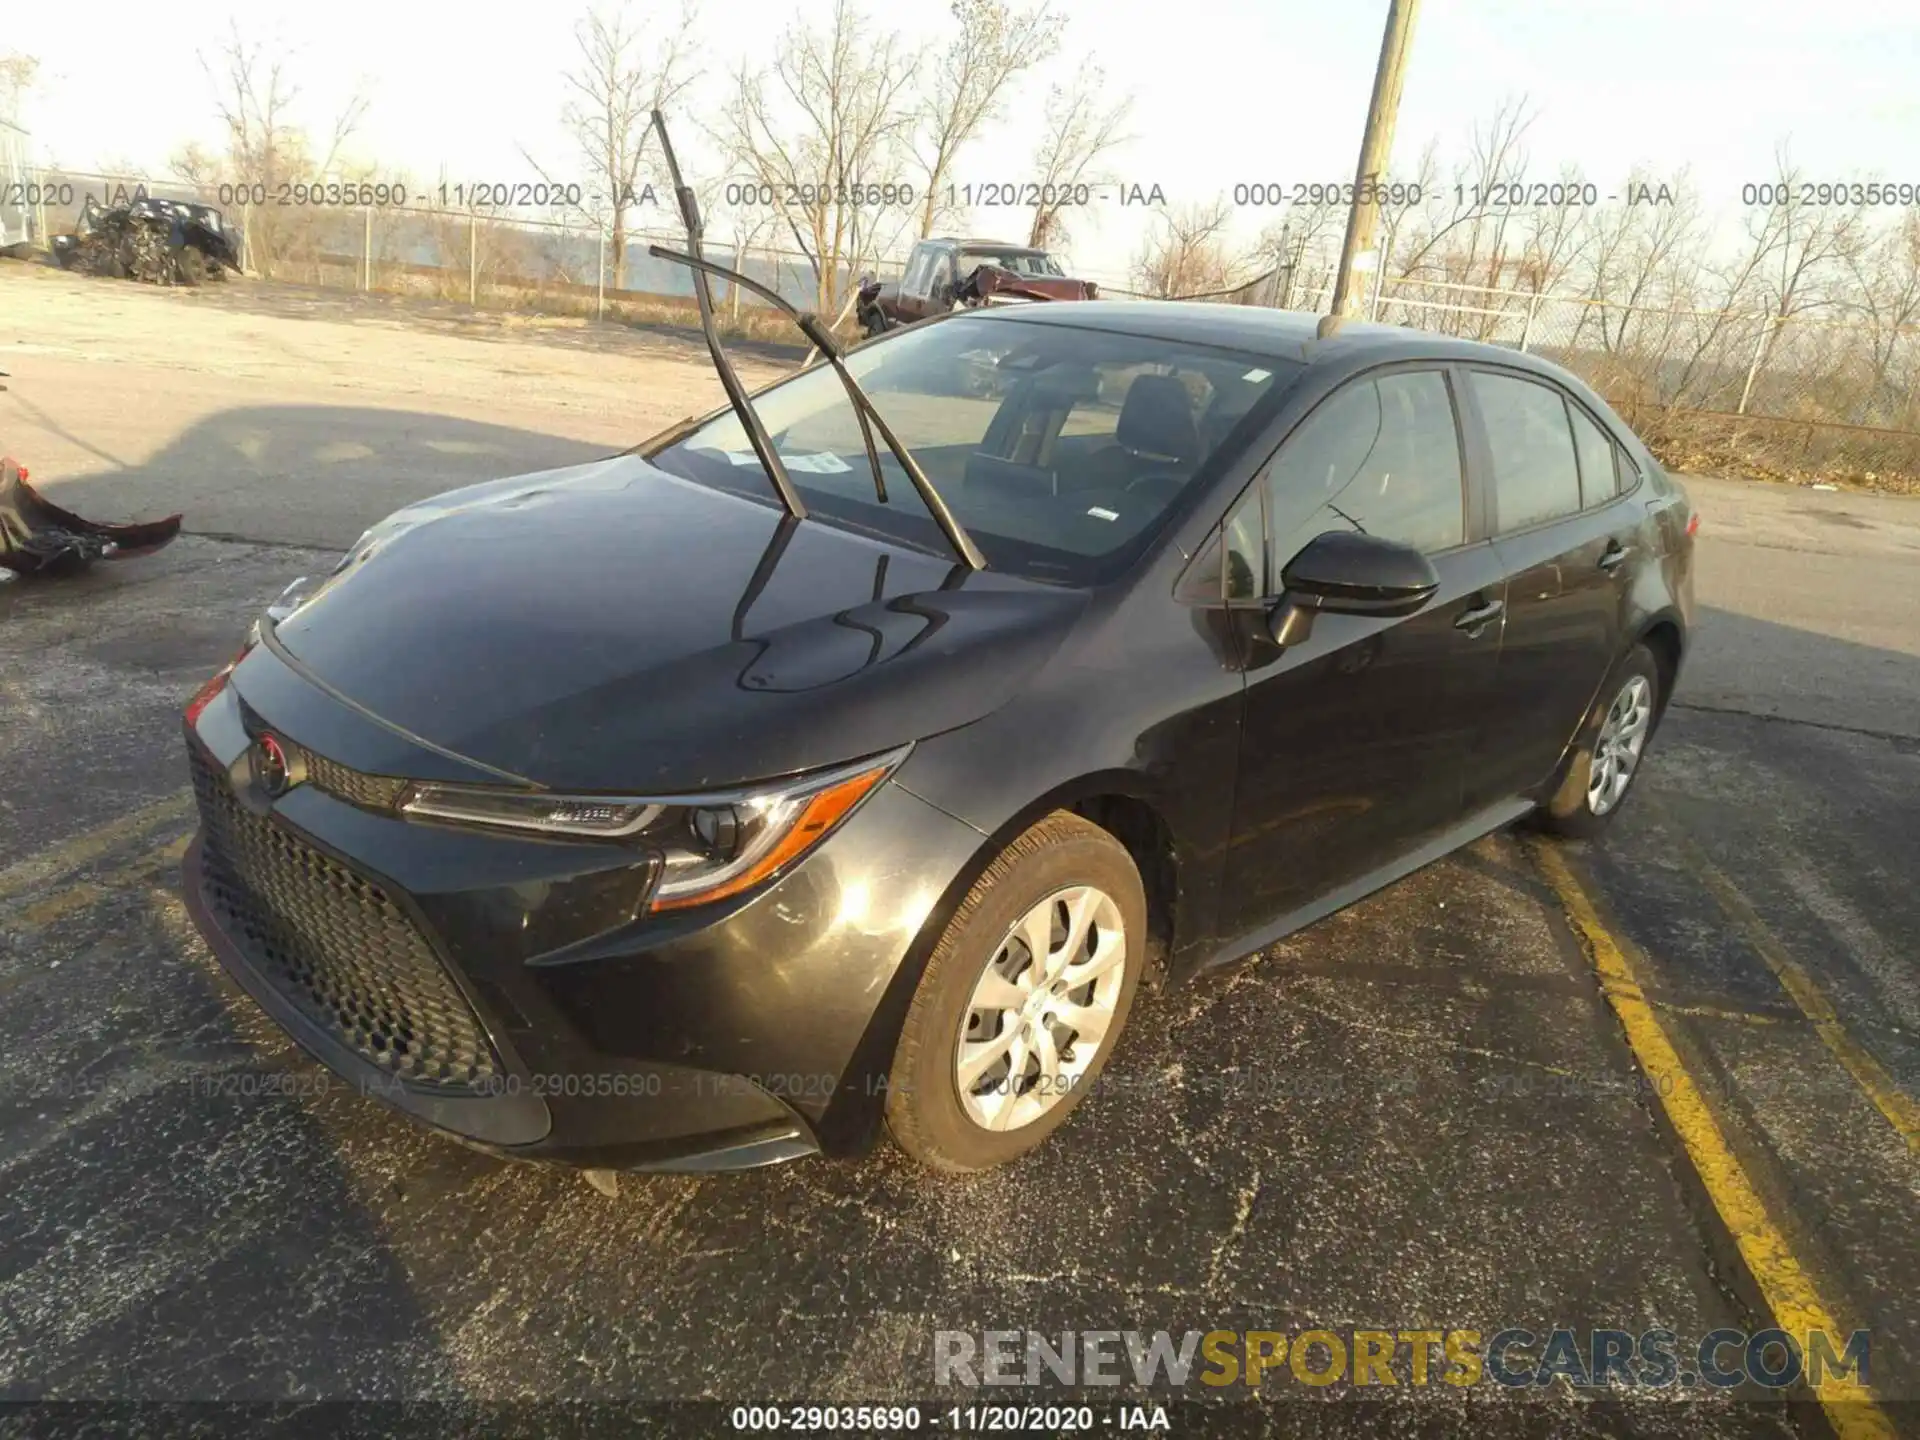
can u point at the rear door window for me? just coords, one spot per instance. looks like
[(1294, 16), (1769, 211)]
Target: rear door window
[(1535, 475)]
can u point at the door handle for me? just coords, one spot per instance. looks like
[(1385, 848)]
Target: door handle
[(1474, 619), (1616, 556)]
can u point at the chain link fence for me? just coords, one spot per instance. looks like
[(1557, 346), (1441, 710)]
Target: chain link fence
[(487, 258), (1740, 389), (19, 223), (1793, 396)]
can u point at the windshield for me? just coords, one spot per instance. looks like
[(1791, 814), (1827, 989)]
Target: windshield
[(1060, 450), (1020, 262)]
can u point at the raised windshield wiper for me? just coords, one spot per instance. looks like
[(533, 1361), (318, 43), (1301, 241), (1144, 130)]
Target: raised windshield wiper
[(863, 407), (730, 382)]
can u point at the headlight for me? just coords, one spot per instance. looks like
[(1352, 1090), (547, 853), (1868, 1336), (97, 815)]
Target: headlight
[(710, 846)]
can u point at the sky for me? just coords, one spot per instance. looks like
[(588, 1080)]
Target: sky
[(1224, 94)]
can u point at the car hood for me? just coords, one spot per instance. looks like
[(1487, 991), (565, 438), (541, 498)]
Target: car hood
[(1001, 281), (614, 627)]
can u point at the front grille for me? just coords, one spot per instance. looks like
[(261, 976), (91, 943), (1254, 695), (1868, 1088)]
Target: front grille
[(370, 792), (336, 945)]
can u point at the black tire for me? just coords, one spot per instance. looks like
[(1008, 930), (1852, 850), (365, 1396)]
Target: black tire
[(1571, 809), (191, 266), (925, 1113)]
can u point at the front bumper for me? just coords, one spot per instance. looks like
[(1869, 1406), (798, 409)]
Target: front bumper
[(509, 993)]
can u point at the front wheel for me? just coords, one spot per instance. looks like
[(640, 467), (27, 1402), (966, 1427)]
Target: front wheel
[(1613, 741), (1022, 1001)]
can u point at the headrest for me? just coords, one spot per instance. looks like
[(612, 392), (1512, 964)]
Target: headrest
[(1157, 419)]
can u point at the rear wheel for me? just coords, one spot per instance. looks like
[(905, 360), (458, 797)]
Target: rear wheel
[(1022, 1001), (1607, 758)]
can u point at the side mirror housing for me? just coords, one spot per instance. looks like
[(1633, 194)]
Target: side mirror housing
[(1350, 574)]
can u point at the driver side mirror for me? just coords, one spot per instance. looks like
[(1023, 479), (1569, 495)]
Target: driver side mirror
[(1347, 573)]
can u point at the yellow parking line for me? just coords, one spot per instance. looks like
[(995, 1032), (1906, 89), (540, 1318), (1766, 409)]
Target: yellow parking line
[(1879, 1087), (90, 845), (1784, 1283), (1714, 1012)]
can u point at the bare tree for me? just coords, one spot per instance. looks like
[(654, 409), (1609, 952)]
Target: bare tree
[(622, 77), (1886, 297), (17, 73), (1186, 254), (1644, 259), (992, 46), (255, 97), (1459, 236), (1297, 246), (824, 134), (1081, 131)]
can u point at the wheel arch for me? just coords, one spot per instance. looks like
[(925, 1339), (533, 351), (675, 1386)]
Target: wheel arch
[(1121, 802), (1664, 636)]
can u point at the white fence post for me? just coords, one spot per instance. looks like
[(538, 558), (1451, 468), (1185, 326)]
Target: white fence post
[(1753, 370), (600, 278), (366, 250), (473, 258), (1526, 329)]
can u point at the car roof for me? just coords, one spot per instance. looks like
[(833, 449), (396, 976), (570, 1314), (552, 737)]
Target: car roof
[(1283, 334), (1004, 247)]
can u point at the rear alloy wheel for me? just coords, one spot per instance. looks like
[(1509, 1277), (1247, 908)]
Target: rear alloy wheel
[(1614, 740), (1022, 1001)]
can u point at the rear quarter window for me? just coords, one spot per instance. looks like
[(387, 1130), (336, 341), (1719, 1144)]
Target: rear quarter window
[(1599, 460)]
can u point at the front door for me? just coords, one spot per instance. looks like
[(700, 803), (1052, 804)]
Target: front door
[(1360, 743)]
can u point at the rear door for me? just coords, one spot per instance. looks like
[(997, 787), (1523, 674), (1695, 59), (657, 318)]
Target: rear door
[(1564, 538), (1355, 742)]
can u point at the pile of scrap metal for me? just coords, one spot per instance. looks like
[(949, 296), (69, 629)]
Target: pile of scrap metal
[(163, 242), (40, 538)]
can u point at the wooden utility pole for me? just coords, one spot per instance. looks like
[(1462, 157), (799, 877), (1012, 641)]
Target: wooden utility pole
[(1375, 148)]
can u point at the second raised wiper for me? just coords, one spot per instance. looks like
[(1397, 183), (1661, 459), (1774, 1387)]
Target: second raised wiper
[(863, 407)]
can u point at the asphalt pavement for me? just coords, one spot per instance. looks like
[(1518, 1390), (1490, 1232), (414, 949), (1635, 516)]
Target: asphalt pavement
[(1430, 1111)]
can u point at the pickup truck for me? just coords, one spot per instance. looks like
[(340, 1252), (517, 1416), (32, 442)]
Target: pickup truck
[(947, 273)]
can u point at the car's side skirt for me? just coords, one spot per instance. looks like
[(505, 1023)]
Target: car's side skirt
[(1483, 822)]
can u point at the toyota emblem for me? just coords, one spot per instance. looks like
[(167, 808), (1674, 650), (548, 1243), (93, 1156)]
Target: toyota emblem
[(270, 766)]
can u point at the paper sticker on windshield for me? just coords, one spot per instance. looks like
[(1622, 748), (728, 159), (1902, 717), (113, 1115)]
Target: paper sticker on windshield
[(1256, 376), (824, 463), (1100, 514)]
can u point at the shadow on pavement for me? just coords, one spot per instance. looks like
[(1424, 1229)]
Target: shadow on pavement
[(313, 474)]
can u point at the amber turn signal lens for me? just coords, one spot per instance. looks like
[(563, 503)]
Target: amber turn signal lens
[(819, 814)]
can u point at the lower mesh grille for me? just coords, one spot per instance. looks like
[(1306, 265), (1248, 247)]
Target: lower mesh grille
[(336, 945)]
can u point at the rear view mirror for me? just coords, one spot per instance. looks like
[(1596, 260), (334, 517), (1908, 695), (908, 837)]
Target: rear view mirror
[(1350, 574)]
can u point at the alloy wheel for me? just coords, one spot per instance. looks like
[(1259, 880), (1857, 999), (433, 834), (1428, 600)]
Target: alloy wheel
[(1042, 1008), (1616, 752)]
